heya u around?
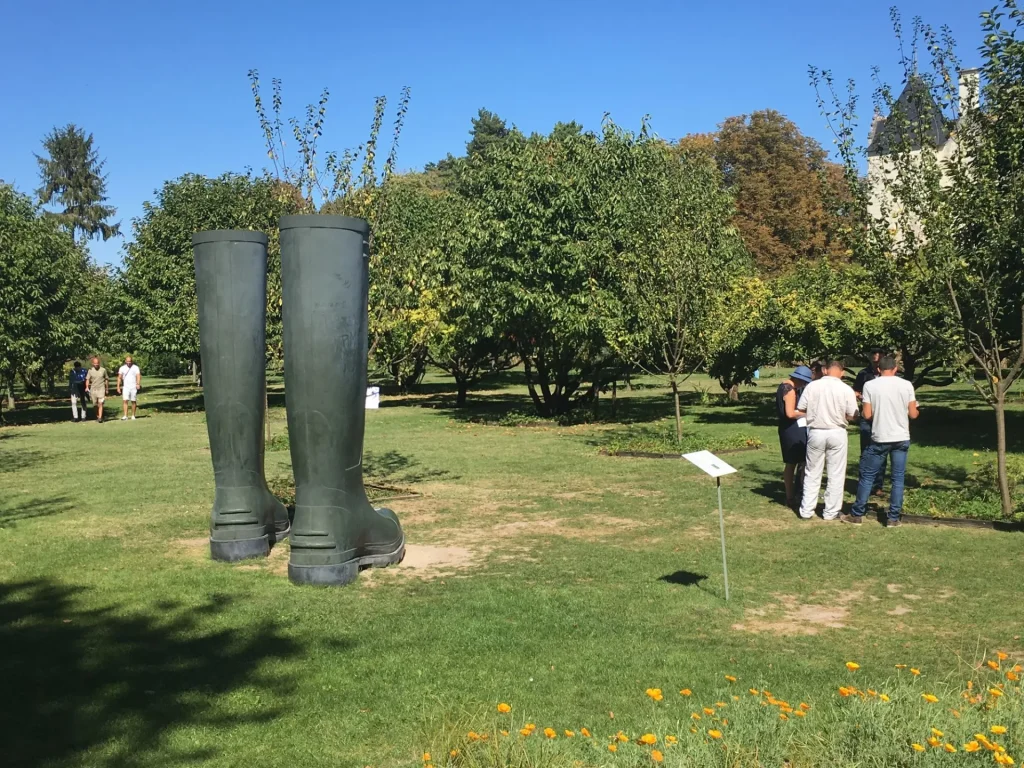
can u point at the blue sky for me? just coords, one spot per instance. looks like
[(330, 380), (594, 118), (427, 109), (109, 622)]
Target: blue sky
[(162, 86)]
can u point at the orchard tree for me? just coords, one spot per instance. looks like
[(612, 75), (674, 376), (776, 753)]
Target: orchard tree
[(71, 175), (680, 255), (158, 281), (468, 337), (746, 335), (535, 225), (953, 201), (41, 270)]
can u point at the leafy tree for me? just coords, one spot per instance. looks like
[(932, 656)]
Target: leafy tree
[(72, 178), (40, 273), (746, 335), (467, 337), (535, 225), (953, 200), (158, 281), (678, 253), (787, 195)]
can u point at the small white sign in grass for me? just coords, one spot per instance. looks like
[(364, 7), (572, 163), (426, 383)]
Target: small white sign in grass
[(710, 464)]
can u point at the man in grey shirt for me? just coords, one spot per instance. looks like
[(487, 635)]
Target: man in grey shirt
[(830, 405), (889, 403)]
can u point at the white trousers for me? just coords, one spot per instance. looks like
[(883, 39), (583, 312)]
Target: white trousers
[(826, 450), (75, 400)]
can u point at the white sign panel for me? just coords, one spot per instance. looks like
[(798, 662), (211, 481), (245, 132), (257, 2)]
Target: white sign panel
[(709, 463), (373, 398)]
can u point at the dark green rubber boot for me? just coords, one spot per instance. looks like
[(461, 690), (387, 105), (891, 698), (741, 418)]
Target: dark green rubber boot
[(231, 288), (324, 273)]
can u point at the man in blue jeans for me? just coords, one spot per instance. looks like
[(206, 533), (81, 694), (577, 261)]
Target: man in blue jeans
[(889, 403), (869, 374)]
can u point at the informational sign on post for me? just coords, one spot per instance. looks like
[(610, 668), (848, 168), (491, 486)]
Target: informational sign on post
[(711, 465), (373, 397)]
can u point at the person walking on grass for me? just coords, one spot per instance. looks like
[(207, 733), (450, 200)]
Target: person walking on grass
[(76, 384), (830, 405), (868, 374), (96, 386), (792, 429), (129, 379), (889, 405)]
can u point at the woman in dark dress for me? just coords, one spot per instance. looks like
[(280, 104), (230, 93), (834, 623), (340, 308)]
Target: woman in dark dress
[(792, 435)]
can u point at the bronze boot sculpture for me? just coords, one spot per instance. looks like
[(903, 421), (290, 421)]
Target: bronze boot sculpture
[(231, 289), (324, 277)]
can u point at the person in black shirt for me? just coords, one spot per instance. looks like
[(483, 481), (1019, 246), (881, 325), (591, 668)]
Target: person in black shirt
[(792, 434), (869, 373), (76, 385)]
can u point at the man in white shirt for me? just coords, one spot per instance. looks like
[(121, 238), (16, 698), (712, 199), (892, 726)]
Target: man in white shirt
[(830, 405), (129, 379), (889, 403)]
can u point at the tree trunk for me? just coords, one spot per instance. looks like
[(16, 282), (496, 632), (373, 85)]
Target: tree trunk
[(51, 384), (1004, 481), (679, 415), (615, 393), (909, 365), (195, 373), (10, 395), (734, 393), (460, 399)]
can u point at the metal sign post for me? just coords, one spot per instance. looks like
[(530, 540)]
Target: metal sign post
[(716, 468)]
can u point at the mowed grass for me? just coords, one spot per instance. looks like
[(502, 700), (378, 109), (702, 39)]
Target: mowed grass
[(540, 573)]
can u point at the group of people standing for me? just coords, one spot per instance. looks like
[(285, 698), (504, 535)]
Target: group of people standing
[(91, 385), (815, 406)]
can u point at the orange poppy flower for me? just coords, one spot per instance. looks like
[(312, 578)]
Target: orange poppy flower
[(648, 739), (504, 708), (930, 698), (714, 734), (656, 756)]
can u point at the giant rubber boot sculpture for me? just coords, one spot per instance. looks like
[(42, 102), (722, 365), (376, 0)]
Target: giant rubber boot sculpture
[(231, 287), (324, 277)]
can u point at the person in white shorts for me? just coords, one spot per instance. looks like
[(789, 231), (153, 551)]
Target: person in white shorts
[(830, 405), (129, 382)]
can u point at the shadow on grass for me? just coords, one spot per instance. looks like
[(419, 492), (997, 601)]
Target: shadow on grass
[(13, 512), (391, 467), (103, 687), (684, 578)]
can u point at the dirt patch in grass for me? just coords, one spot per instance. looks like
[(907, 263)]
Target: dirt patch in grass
[(790, 616), (191, 548)]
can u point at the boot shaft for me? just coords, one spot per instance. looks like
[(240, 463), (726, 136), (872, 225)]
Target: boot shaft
[(324, 277), (231, 290)]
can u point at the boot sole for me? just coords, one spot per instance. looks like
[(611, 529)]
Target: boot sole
[(241, 549), (343, 573), (246, 549)]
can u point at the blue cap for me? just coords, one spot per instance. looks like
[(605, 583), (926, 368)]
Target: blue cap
[(803, 373)]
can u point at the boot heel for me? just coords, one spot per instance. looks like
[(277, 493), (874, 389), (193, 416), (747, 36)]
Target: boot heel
[(240, 549), (324, 575)]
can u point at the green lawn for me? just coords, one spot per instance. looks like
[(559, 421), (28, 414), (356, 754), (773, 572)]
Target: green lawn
[(540, 573)]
